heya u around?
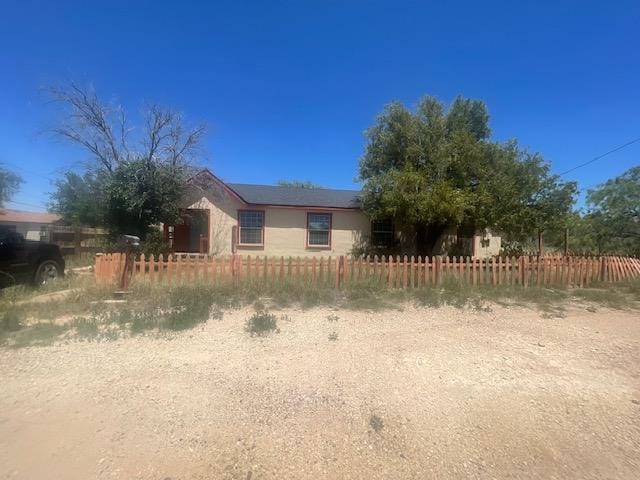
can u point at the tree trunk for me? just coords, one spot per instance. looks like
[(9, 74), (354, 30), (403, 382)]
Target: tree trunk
[(426, 238), (540, 243)]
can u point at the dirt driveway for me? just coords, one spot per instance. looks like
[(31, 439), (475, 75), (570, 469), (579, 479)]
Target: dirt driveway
[(451, 394)]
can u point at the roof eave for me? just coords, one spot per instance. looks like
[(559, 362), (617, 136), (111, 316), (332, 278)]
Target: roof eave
[(216, 179), (303, 207)]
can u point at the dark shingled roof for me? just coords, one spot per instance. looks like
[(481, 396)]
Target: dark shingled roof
[(296, 196)]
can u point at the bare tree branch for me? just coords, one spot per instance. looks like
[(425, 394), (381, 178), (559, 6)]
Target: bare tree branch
[(103, 130), (88, 123), (184, 145)]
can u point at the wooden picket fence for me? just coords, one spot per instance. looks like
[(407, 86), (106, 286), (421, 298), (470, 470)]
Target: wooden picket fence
[(393, 272)]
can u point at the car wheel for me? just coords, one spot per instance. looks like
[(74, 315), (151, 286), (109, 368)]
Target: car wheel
[(47, 271)]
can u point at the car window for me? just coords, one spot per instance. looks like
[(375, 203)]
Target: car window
[(9, 236)]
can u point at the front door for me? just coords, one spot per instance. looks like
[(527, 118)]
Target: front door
[(181, 236), (192, 234)]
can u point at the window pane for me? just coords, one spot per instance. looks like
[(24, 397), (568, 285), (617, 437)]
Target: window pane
[(319, 229), (319, 237), (382, 226), (382, 233), (251, 219), (251, 227), (251, 235), (381, 239), (319, 221)]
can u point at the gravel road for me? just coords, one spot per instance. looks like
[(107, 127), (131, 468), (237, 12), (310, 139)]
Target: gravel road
[(455, 393)]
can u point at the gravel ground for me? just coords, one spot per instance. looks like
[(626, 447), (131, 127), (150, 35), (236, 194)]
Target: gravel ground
[(460, 394)]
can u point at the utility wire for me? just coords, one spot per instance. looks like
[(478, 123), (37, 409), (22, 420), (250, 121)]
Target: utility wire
[(29, 172), (27, 204), (601, 156)]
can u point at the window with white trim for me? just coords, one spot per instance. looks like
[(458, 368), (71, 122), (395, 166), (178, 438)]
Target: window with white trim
[(251, 227), (319, 229)]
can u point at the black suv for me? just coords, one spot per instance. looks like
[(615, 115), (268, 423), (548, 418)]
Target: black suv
[(28, 261)]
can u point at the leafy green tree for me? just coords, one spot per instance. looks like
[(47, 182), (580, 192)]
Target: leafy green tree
[(81, 199), (9, 184), (131, 181), (132, 198), (141, 193), (585, 232), (435, 168), (298, 184), (615, 206)]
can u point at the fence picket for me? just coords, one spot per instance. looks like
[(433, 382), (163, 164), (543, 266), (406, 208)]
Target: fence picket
[(281, 274), (313, 270), (625, 271), (162, 273), (622, 268), (404, 272), (375, 267), (630, 267), (473, 271)]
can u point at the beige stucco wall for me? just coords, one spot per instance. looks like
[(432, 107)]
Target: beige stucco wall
[(222, 220), (285, 230), (487, 245)]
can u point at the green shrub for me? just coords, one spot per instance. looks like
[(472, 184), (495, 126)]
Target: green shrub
[(154, 243), (86, 329), (376, 423), (261, 324)]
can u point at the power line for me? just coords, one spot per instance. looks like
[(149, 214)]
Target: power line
[(30, 172), (27, 204), (600, 156)]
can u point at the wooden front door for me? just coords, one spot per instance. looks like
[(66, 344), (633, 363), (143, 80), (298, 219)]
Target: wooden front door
[(181, 235)]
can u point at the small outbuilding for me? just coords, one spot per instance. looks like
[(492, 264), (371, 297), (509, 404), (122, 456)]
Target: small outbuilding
[(31, 225)]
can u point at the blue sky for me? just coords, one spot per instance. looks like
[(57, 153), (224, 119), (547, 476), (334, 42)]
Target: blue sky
[(288, 87)]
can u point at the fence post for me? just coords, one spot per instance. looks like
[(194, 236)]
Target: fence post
[(77, 242), (523, 271), (438, 270), (97, 269), (339, 271), (473, 271)]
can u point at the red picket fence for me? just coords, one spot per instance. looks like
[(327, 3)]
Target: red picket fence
[(398, 272)]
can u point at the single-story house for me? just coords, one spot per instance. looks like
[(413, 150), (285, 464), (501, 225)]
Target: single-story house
[(31, 225), (221, 218)]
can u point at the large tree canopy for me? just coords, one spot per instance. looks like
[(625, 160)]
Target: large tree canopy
[(136, 195), (9, 184), (615, 213), (134, 176), (436, 168)]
